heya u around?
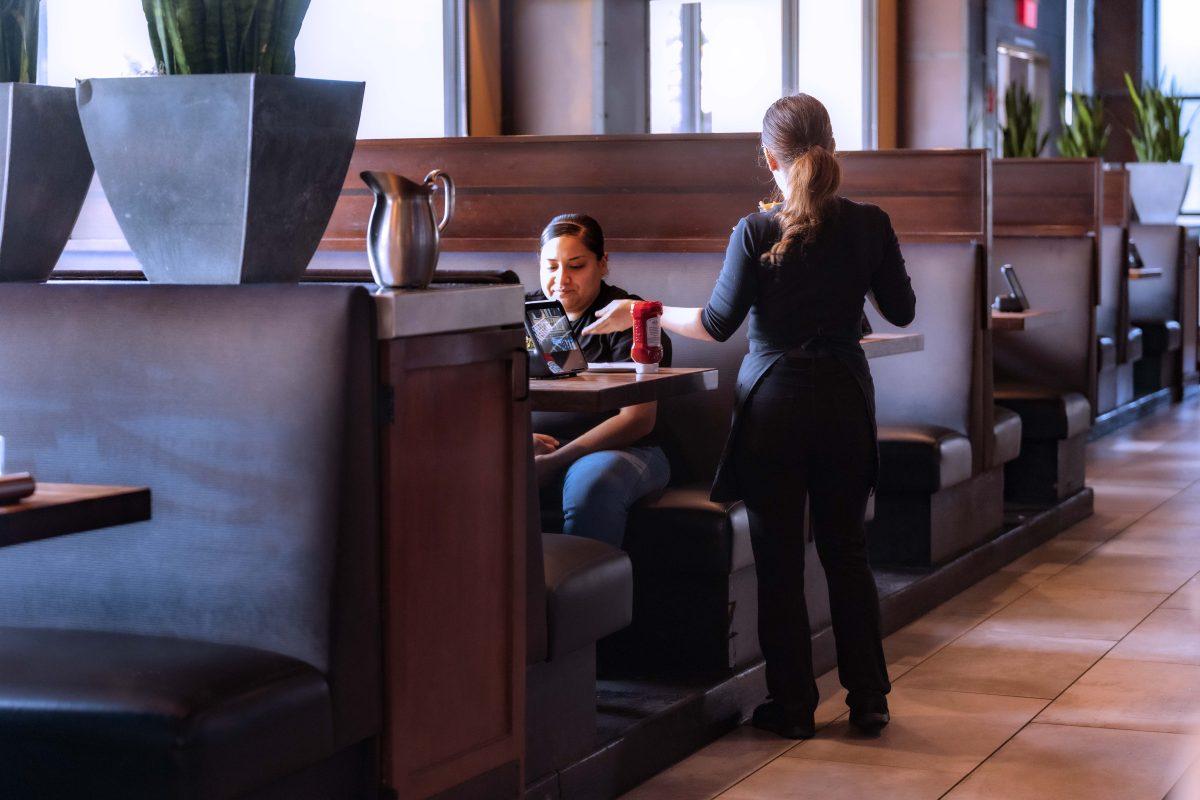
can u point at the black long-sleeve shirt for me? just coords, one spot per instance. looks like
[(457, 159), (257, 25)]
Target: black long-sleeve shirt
[(815, 295)]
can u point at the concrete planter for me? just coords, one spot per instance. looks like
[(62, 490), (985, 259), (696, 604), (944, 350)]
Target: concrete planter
[(221, 178), (1157, 190), (45, 171)]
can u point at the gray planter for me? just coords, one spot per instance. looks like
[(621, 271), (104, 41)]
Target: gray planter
[(221, 178), (1157, 190), (45, 171)]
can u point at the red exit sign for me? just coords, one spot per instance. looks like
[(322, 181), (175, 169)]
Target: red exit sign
[(1027, 13)]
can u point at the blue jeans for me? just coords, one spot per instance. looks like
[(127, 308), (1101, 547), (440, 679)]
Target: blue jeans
[(599, 489)]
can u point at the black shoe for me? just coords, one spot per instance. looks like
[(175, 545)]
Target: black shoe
[(869, 722), (777, 719)]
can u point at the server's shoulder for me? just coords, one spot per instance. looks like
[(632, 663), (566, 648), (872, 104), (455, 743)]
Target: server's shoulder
[(863, 214)]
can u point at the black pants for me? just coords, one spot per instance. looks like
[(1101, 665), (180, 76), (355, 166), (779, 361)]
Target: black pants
[(806, 433)]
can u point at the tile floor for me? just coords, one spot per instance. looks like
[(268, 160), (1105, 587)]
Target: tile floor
[(1074, 672)]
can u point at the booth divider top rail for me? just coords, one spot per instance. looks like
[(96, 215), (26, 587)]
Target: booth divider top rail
[(653, 193), (1056, 197)]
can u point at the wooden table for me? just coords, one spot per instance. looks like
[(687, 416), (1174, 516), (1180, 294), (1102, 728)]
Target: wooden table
[(58, 509), (1145, 273), (1023, 320), (609, 391), (878, 345)]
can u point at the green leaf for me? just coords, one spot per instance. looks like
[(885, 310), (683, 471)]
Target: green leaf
[(220, 36)]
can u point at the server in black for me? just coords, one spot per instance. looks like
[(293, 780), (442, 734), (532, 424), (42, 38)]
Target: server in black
[(804, 424)]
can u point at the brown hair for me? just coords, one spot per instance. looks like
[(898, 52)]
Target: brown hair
[(797, 133)]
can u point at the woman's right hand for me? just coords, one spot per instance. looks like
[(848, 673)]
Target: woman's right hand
[(543, 444)]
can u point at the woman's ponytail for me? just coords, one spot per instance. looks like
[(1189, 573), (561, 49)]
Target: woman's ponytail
[(798, 134)]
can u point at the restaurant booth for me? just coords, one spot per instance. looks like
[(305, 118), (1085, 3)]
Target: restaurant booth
[(366, 456), (1047, 215)]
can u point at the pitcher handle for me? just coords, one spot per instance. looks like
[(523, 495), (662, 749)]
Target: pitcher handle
[(447, 191)]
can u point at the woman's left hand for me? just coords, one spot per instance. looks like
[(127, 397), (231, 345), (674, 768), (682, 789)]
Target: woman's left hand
[(614, 317)]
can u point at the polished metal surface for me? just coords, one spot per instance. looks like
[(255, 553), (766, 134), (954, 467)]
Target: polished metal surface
[(403, 236)]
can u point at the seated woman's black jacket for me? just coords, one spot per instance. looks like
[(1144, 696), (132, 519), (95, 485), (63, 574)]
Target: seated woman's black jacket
[(814, 298)]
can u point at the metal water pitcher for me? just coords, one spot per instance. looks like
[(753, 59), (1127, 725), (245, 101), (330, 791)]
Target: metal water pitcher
[(403, 236)]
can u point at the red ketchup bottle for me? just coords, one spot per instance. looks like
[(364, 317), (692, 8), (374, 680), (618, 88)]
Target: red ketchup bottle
[(647, 335)]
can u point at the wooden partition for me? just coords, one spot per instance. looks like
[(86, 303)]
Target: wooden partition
[(1047, 219), (660, 193)]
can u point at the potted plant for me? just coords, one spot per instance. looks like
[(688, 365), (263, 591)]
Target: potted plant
[(1158, 181), (45, 169), (1019, 137), (1086, 135), (225, 168)]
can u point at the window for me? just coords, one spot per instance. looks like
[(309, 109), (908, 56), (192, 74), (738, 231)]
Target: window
[(395, 47), (715, 65), (1179, 61)]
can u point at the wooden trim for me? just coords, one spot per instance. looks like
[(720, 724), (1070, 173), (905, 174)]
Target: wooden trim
[(1117, 203), (887, 76), (1051, 197)]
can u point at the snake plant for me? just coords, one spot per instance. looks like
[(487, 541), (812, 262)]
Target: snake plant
[(1159, 135), (1087, 134), (1019, 136), (194, 37), (18, 41)]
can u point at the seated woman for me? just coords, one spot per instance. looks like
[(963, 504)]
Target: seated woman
[(601, 463)]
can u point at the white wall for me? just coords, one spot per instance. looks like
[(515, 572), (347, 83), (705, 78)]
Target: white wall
[(396, 47)]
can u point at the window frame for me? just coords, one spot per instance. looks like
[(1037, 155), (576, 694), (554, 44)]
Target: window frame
[(789, 79)]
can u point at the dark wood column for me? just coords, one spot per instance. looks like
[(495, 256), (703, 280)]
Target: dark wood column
[(1120, 46)]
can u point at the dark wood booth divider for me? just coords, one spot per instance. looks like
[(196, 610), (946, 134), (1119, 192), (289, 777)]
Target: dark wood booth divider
[(1118, 344), (1047, 215)]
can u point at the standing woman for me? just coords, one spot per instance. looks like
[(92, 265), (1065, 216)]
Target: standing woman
[(805, 418)]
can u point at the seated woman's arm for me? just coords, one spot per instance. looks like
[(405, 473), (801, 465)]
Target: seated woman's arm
[(630, 425)]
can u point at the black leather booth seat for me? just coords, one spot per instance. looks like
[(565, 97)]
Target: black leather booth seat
[(1108, 376), (1136, 346), (240, 645), (1160, 336), (1106, 352), (1054, 436), (922, 458), (589, 592), (153, 716), (1007, 430)]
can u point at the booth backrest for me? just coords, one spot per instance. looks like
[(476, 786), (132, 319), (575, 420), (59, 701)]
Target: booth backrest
[(1046, 222), (936, 385), (1112, 313), (1161, 247), (250, 413)]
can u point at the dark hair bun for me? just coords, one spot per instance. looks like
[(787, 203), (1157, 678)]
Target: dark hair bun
[(581, 226)]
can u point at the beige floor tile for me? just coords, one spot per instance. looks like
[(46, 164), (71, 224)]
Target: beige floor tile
[(946, 731), (991, 594), (1180, 511), (1002, 663), (1128, 573), (1169, 634), (1074, 612), (1114, 497), (804, 779), (1053, 762), (714, 769), (1132, 695), (1187, 597), (917, 641), (1164, 540), (1188, 787), (1052, 557)]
